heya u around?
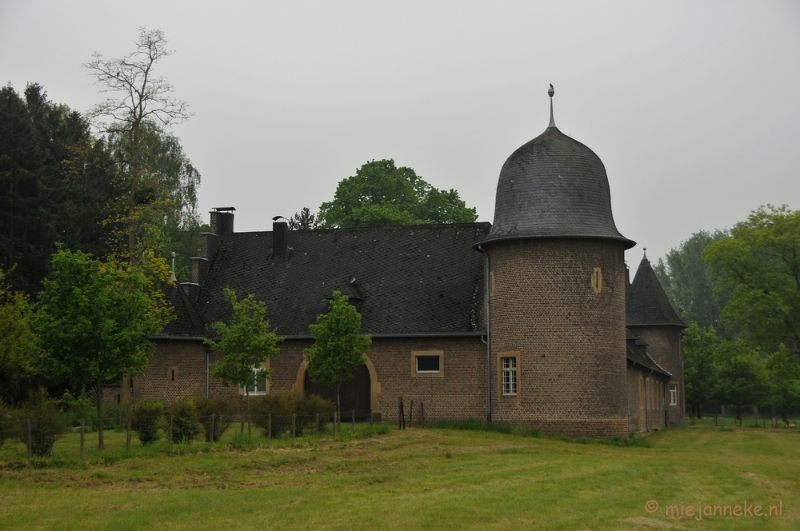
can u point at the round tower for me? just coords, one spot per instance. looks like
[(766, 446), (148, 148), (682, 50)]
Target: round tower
[(556, 292)]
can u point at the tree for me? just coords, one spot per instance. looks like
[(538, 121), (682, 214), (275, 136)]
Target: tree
[(382, 194), (740, 376), (246, 343), (145, 103), (784, 373), (94, 320), (760, 265), (55, 180), (303, 220), (166, 206), (686, 279), (698, 347), (16, 368), (338, 348)]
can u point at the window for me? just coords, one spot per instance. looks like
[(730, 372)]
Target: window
[(508, 375), (260, 387), (427, 363), (172, 373), (597, 280), (509, 367), (673, 394)]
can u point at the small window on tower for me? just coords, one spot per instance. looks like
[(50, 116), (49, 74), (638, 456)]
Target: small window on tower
[(673, 394), (597, 280), (172, 373)]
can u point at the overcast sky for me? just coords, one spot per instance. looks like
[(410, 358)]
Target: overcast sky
[(694, 107)]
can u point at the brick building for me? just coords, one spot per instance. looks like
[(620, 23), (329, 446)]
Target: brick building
[(520, 321)]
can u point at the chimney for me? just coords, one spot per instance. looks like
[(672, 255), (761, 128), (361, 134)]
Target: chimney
[(209, 243), (222, 221), (279, 230), (627, 278), (199, 269), (192, 289)]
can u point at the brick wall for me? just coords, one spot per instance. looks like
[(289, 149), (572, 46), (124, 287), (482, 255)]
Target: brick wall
[(188, 360), (570, 338), (665, 345)]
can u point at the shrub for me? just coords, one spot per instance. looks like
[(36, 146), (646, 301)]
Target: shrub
[(185, 420), (147, 416), (283, 405), (45, 420), (79, 407), (222, 408)]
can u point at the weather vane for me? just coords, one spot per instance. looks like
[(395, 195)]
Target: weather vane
[(550, 92)]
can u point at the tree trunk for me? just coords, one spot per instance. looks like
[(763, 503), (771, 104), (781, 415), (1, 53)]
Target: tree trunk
[(100, 443), (247, 400), (338, 409)]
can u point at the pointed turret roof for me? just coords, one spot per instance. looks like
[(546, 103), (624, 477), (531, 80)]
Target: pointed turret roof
[(646, 302)]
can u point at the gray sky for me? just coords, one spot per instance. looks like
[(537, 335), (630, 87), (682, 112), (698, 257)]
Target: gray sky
[(694, 107)]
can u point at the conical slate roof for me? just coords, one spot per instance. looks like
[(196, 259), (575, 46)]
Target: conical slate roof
[(646, 302), (554, 187)]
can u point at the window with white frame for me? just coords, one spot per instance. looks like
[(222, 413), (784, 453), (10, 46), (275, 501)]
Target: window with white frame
[(260, 385), (673, 394), (427, 363), (509, 368)]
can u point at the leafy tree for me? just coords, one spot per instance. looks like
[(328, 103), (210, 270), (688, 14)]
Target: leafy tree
[(382, 194), (165, 213), (145, 103), (686, 279), (15, 367), (55, 180), (338, 348), (303, 220), (760, 265), (740, 376), (95, 318), (246, 343), (784, 373), (698, 346)]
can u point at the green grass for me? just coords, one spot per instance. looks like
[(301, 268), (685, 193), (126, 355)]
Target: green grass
[(433, 478)]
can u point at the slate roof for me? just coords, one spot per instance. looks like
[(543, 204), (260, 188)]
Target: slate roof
[(423, 279), (646, 302), (187, 323), (637, 353), (554, 186)]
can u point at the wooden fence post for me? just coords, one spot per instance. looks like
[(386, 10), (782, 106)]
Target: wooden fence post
[(294, 423), (399, 412), (213, 429), (83, 426), (422, 413), (316, 425), (128, 434), (169, 432), (370, 418), (30, 440), (411, 414), (353, 420), (269, 426)]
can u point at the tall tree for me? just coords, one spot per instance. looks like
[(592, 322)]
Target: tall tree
[(698, 347), (246, 343), (303, 220), (338, 348), (686, 279), (16, 367), (784, 372), (144, 100), (382, 194), (740, 376), (94, 320), (760, 265)]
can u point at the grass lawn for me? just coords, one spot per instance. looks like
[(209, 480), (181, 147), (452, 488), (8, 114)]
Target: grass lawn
[(412, 479)]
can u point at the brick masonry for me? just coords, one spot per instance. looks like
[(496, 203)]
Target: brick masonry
[(665, 345), (570, 338)]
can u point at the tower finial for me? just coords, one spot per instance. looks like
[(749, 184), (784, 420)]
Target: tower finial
[(174, 278), (645, 253), (550, 92)]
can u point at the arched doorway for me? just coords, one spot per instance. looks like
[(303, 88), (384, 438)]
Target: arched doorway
[(354, 394)]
